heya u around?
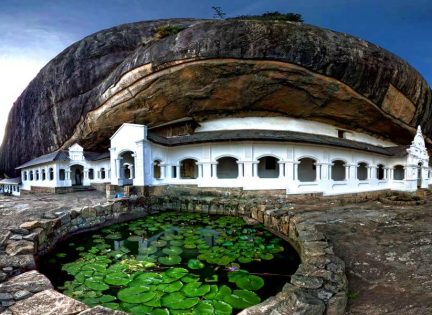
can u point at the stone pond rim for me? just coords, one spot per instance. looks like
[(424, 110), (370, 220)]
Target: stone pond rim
[(209, 69)]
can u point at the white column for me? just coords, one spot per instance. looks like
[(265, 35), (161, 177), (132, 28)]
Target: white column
[(296, 165), (214, 170), (178, 171), (200, 170), (118, 168), (255, 169), (289, 172), (281, 169), (347, 172), (131, 168), (163, 171), (247, 169), (240, 169), (318, 172)]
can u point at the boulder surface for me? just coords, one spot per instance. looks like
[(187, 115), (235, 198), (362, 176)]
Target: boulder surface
[(206, 69)]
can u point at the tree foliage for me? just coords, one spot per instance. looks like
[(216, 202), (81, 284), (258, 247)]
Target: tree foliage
[(272, 16), (218, 13)]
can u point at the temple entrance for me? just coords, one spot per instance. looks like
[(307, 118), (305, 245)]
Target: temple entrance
[(126, 168), (77, 172)]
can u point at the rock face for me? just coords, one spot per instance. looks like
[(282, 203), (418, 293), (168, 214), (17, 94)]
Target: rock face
[(48, 302), (213, 69)]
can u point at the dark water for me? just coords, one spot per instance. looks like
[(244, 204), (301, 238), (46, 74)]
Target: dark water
[(226, 234)]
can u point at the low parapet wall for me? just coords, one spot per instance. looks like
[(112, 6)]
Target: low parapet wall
[(318, 287)]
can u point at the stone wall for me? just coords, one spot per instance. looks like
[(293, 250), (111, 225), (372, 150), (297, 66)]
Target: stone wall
[(318, 287)]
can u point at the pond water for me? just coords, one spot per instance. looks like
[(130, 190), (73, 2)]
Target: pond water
[(173, 263)]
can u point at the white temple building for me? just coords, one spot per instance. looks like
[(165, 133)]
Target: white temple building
[(59, 170), (253, 153)]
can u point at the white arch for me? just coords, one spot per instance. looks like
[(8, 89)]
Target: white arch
[(308, 157), (226, 155), (270, 155)]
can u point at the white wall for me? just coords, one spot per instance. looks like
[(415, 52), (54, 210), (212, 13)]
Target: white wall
[(286, 124), (66, 166), (248, 154)]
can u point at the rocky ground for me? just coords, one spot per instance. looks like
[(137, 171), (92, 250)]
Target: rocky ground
[(387, 249)]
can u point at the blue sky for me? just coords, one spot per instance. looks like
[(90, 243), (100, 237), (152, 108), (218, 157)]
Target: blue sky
[(34, 31)]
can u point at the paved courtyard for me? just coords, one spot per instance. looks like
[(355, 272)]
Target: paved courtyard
[(387, 249)]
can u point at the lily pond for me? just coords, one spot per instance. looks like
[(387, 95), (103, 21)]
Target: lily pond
[(173, 263)]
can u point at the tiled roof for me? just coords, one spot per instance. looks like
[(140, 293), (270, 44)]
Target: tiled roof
[(63, 155), (60, 155), (272, 135), (9, 181)]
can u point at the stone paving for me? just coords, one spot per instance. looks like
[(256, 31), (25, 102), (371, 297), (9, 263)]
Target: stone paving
[(387, 249)]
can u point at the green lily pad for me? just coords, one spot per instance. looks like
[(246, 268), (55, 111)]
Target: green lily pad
[(160, 243), (172, 251), (171, 287), (267, 256), (190, 278), (195, 264), (148, 251), (111, 305), (96, 283), (176, 273), (117, 278), (178, 301), (107, 298), (245, 260), (135, 295), (149, 278), (212, 293), (176, 243), (223, 291), (159, 311), (250, 282), (222, 308), (193, 289), (140, 310), (170, 260), (241, 299)]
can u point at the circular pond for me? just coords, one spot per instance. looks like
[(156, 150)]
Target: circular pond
[(173, 263)]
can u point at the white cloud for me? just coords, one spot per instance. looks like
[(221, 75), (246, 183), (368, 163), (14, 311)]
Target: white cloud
[(15, 74), (24, 49)]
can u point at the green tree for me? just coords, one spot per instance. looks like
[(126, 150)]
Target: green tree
[(218, 13)]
